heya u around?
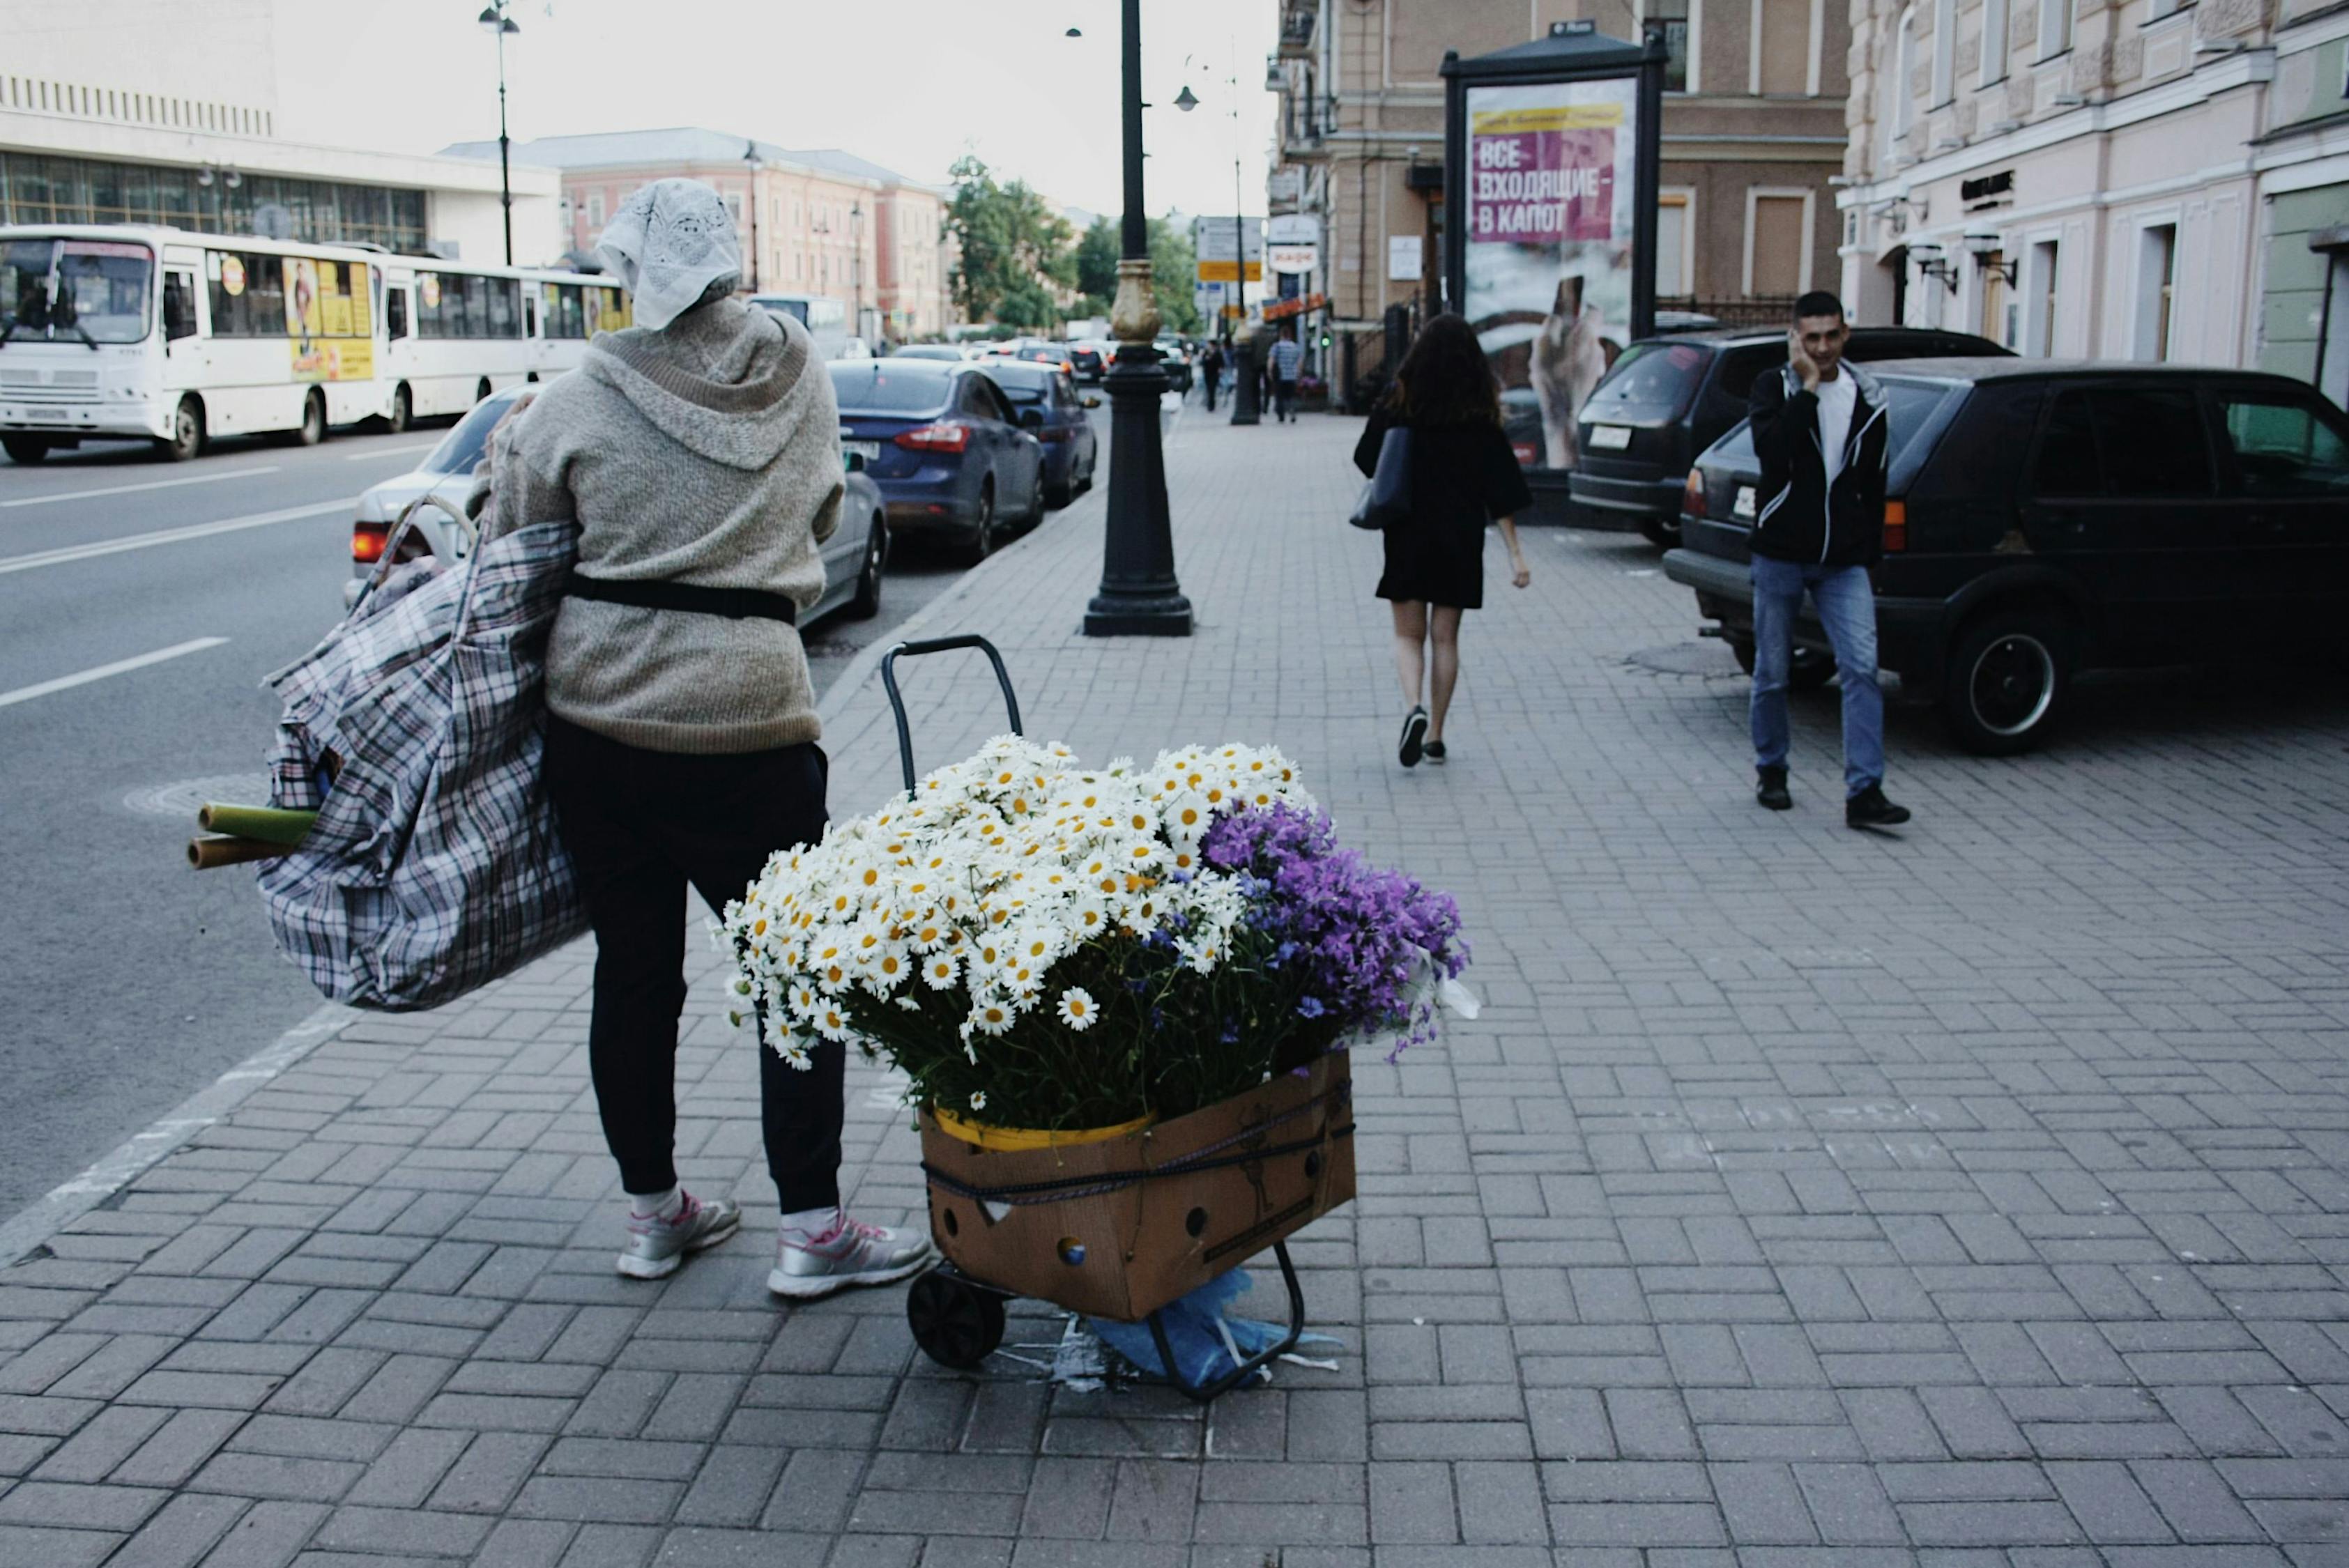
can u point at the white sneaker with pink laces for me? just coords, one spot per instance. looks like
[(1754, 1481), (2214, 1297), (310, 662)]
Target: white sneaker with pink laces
[(850, 1253), (658, 1245)]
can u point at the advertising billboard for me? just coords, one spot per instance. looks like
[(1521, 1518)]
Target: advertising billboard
[(1552, 211)]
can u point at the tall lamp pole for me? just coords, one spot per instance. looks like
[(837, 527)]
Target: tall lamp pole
[(494, 17), (1139, 594), (750, 161)]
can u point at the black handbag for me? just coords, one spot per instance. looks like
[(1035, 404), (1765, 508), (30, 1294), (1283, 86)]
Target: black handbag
[(1386, 499)]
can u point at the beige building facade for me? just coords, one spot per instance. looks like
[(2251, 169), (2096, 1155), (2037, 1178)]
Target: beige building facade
[(820, 220), (2136, 179), (1753, 134)]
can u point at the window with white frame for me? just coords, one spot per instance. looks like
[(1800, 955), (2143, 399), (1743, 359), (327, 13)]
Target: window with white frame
[(1674, 259), (1945, 51), (1904, 67), (2054, 27), (2157, 279), (1993, 42)]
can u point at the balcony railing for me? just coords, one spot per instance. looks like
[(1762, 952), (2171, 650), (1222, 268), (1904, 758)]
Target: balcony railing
[(1297, 29)]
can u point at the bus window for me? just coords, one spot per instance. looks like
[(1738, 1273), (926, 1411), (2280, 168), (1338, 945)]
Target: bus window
[(565, 315), (529, 314), (248, 294), (394, 312), (179, 304), (504, 295)]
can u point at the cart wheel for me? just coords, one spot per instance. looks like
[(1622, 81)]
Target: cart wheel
[(955, 1322)]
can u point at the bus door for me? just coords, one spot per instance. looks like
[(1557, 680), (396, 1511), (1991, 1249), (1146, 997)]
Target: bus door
[(183, 336)]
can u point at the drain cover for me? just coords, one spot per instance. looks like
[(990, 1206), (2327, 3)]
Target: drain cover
[(1708, 658), (180, 799)]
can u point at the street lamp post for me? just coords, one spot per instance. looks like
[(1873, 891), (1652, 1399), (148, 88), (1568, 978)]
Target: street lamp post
[(856, 264), (494, 17), (1139, 594), (750, 161)]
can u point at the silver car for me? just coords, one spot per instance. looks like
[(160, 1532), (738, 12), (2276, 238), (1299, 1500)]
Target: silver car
[(432, 501)]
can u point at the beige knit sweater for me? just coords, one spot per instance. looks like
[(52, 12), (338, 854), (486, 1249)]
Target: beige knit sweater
[(707, 452)]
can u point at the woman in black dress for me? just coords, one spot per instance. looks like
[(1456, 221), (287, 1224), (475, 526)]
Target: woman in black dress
[(1464, 475)]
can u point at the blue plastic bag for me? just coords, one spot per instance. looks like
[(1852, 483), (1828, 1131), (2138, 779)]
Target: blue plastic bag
[(1205, 1343)]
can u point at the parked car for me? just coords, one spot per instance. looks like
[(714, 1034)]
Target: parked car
[(944, 445), (1087, 360), (1053, 410), (927, 351), (2046, 517), (1668, 398), (854, 558)]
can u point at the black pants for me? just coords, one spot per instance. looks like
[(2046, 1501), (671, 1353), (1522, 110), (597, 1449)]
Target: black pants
[(1211, 377), (641, 826), (1284, 393)]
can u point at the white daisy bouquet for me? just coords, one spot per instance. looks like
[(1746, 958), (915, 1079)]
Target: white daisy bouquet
[(1036, 943)]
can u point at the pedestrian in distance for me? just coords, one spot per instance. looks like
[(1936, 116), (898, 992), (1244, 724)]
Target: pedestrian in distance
[(1463, 476), (1286, 356), (699, 453), (1820, 433), (1211, 371)]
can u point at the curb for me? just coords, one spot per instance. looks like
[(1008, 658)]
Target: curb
[(34, 1224)]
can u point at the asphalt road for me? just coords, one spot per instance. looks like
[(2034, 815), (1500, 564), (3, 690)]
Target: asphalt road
[(127, 981)]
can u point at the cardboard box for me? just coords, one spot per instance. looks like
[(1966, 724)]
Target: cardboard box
[(1277, 1158)]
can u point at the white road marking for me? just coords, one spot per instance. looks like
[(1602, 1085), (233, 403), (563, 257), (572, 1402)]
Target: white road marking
[(72, 553), (371, 455), (150, 485), (119, 666)]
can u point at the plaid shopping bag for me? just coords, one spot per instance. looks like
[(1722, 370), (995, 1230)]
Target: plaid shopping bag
[(416, 729)]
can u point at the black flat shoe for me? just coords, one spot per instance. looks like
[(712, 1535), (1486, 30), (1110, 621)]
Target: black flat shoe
[(1770, 789), (1414, 731), (1869, 808), (1433, 752)]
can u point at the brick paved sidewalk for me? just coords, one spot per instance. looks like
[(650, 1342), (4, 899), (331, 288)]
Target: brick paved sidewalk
[(1976, 1198)]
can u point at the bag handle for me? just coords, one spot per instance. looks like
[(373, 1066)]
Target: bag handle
[(400, 528)]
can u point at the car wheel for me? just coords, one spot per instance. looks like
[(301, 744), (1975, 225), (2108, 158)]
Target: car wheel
[(1060, 495), (403, 409), (2004, 682), (981, 543), (482, 389), (187, 438), (1664, 532), (867, 603), (27, 450), (313, 428)]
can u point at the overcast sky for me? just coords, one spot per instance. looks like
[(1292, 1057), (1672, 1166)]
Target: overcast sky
[(912, 84)]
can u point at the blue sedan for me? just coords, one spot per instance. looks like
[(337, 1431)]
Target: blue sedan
[(1052, 410), (945, 447)]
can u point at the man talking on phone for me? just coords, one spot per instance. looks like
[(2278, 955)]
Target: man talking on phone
[(1819, 430)]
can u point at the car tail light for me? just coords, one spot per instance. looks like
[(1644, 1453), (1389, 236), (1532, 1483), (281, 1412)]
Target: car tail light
[(1896, 526), (368, 541), (945, 436), (1692, 496), (1054, 433)]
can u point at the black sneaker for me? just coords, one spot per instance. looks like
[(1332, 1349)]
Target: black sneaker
[(1770, 789), (1433, 752), (1414, 731), (1869, 808)]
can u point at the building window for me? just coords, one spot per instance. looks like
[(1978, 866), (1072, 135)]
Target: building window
[(41, 190), (595, 210), (2039, 329), (1670, 17), (1778, 244), (1945, 50), (1993, 42), (1902, 60), (2157, 279), (2054, 27), (1672, 253)]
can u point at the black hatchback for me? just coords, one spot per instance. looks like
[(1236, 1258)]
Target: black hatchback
[(1667, 398), (2045, 516)]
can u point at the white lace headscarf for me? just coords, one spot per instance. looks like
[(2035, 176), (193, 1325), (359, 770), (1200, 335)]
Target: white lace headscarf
[(669, 244)]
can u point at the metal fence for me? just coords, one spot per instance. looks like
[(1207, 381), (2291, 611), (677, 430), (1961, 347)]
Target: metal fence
[(1761, 310)]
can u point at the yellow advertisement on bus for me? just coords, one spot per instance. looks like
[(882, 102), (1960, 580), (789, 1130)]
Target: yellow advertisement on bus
[(329, 319)]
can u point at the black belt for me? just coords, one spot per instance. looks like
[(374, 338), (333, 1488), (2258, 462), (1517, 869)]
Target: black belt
[(734, 603)]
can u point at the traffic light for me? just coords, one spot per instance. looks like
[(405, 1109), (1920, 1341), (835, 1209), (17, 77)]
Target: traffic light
[(1325, 339)]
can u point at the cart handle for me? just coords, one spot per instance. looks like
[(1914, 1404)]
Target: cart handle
[(939, 646)]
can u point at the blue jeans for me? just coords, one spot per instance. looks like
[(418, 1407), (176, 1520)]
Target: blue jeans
[(1848, 610)]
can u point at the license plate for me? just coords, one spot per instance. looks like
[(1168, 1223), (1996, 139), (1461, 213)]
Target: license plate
[(54, 416), (1609, 438), (1741, 508), (869, 450)]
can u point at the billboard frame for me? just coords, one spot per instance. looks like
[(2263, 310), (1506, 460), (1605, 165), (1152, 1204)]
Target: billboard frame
[(1569, 51)]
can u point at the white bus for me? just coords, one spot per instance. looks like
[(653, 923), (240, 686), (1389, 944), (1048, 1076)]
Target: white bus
[(124, 332), (455, 331), (127, 332)]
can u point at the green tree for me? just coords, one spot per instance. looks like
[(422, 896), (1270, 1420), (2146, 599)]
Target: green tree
[(1174, 267), (1014, 246), (1097, 264), (1026, 306)]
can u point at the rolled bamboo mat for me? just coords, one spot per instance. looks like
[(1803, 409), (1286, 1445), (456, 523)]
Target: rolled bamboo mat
[(210, 854), (270, 824)]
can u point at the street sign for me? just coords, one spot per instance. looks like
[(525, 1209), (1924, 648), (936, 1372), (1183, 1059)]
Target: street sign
[(1227, 270), (1286, 184), (1211, 237), (1292, 229), (1294, 258), (1403, 258)]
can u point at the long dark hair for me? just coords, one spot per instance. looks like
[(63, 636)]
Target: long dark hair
[(1444, 380)]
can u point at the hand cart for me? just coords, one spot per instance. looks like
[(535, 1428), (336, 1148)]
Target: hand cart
[(956, 1318)]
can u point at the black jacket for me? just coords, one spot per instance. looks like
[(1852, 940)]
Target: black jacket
[(1798, 515)]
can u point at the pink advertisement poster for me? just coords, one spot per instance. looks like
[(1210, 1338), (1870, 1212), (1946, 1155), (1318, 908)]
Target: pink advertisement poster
[(1541, 186)]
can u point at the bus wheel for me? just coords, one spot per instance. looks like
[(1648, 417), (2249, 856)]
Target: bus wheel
[(25, 449), (403, 409), (187, 438), (482, 389), (314, 419)]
